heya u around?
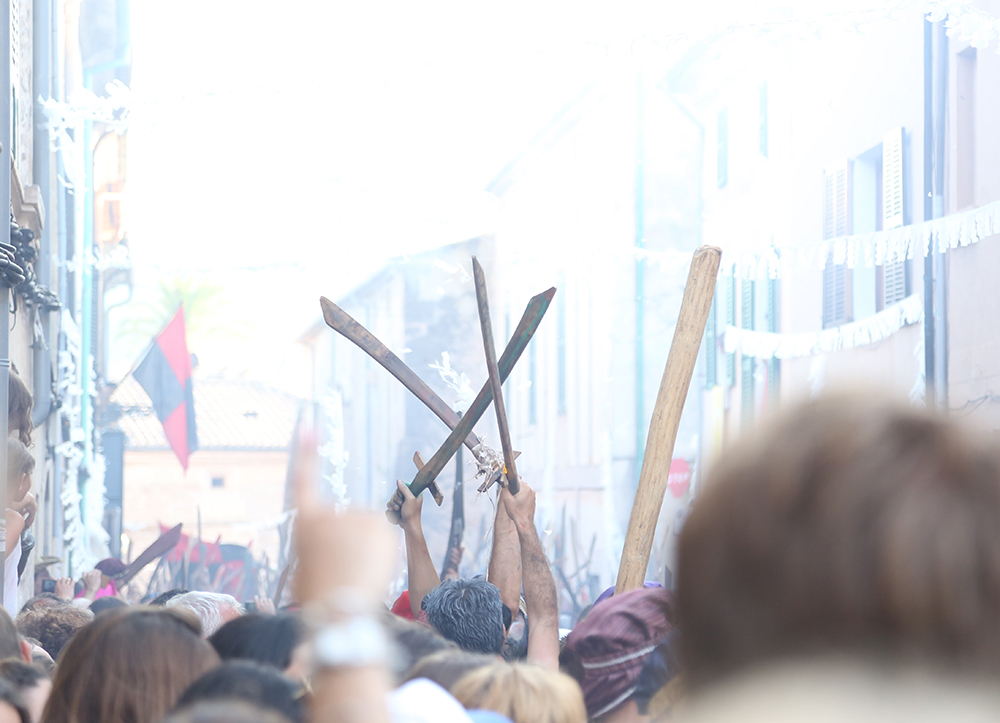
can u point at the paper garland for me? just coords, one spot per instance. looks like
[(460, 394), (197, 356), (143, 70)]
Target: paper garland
[(870, 249), (765, 345)]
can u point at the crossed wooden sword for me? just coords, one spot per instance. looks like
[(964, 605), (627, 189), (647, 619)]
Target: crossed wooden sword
[(461, 426)]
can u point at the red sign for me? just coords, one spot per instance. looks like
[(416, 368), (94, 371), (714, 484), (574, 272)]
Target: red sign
[(679, 477)]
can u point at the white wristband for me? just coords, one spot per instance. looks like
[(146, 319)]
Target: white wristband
[(358, 642)]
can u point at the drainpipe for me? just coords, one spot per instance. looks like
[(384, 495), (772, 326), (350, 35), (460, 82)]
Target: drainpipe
[(86, 261), (940, 259), (5, 137), (42, 174), (640, 274), (930, 377)]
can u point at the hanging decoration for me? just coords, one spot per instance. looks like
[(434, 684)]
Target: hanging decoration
[(870, 249), (766, 345)]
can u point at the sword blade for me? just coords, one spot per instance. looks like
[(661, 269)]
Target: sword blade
[(486, 325), (345, 325), (530, 320)]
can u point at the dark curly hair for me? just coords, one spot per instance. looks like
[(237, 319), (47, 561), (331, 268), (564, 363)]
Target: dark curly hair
[(469, 612)]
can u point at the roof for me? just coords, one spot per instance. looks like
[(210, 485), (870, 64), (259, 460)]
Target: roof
[(229, 414)]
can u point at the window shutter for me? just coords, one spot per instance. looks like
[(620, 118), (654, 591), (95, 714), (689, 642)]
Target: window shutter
[(773, 365), (763, 119), (836, 223), (892, 179), (747, 362), (722, 147), (730, 306), (894, 274), (712, 347), (561, 401)]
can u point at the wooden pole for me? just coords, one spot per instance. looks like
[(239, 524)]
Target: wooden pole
[(677, 375)]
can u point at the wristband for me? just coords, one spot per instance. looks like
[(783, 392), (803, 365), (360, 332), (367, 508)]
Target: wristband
[(356, 643)]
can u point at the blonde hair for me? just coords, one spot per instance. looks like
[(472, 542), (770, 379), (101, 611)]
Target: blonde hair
[(523, 692)]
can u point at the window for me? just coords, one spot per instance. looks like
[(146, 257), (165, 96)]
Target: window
[(218, 481), (729, 303), (894, 282), (712, 347), (747, 362), (561, 347), (532, 384), (722, 148), (965, 128), (763, 120), (836, 223), (773, 365)]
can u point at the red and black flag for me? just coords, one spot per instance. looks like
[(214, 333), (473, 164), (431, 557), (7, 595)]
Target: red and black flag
[(165, 374)]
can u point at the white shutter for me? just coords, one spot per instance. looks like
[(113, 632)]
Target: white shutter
[(892, 179), (836, 223), (894, 273)]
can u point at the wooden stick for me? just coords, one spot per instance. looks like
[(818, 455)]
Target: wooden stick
[(681, 361), (494, 373)]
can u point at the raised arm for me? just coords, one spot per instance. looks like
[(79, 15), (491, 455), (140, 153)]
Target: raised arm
[(505, 560), (539, 585), (345, 563), (420, 570)]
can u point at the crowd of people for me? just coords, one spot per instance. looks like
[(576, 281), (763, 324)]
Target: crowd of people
[(841, 563)]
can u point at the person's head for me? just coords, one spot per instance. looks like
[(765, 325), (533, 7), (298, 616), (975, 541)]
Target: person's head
[(267, 639), (164, 597), (224, 712), (37, 655), (606, 652), (468, 612), (522, 692), (242, 680), (10, 640), (212, 608), (108, 602), (446, 667), (129, 666), (851, 525), (53, 627), (111, 566), (19, 403), (12, 708), (413, 642), (42, 601), (20, 465), (31, 682)]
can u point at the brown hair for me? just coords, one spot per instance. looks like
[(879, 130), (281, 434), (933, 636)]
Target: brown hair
[(524, 693), (854, 525), (129, 666), (447, 667), (53, 627), (19, 403), (10, 641), (19, 459)]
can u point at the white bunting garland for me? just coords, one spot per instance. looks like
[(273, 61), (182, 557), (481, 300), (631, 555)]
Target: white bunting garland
[(767, 345), (870, 249)]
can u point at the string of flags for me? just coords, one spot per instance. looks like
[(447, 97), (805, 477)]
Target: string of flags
[(869, 249), (875, 328)]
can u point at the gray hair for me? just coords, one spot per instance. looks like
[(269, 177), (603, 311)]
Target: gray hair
[(208, 607)]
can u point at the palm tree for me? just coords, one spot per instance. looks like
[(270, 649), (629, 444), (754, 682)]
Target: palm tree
[(205, 315)]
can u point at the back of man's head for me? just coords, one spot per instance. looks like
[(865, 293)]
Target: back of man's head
[(468, 612), (212, 608)]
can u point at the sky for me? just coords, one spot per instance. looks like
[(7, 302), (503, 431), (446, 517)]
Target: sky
[(286, 151)]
